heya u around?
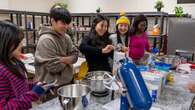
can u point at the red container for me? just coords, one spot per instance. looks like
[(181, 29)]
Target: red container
[(193, 65)]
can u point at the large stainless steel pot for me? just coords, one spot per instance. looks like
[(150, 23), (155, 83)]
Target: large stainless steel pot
[(172, 59), (73, 97), (96, 80)]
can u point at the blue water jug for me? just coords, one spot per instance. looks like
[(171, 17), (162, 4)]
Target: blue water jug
[(137, 93)]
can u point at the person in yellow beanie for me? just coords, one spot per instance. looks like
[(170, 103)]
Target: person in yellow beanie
[(122, 33)]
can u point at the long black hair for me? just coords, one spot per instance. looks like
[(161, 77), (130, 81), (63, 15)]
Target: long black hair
[(126, 35), (137, 20), (10, 38), (96, 40), (99, 17)]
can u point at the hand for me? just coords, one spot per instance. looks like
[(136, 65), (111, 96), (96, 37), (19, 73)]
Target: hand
[(69, 59), (42, 87), (124, 49), (55, 66), (191, 87), (108, 49), (38, 89), (48, 86)]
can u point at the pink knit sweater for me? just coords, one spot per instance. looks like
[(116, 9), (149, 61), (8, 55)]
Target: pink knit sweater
[(15, 93), (138, 45)]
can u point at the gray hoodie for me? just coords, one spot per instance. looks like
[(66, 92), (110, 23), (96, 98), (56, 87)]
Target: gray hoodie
[(50, 48)]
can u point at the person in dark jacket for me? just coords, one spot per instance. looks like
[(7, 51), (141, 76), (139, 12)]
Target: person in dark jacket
[(97, 47)]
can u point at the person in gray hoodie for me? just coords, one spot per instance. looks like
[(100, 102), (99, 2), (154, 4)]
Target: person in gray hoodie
[(55, 52)]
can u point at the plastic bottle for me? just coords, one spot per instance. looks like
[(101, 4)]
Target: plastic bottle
[(152, 57)]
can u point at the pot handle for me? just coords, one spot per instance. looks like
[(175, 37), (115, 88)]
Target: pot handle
[(112, 78), (110, 86)]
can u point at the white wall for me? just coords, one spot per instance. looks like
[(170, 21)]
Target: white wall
[(28, 5), (83, 6), (4, 4), (32, 5)]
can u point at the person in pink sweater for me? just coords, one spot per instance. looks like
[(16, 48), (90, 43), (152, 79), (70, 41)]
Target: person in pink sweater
[(16, 93), (138, 42)]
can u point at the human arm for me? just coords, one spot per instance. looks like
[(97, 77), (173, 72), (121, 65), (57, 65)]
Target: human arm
[(24, 101), (147, 44), (46, 53), (72, 52), (85, 48), (191, 87)]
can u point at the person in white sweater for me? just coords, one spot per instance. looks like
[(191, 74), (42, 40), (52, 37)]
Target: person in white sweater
[(122, 33)]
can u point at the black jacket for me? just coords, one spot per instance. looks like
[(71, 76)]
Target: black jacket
[(91, 46)]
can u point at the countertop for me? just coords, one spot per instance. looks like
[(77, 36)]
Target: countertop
[(174, 97), (95, 103)]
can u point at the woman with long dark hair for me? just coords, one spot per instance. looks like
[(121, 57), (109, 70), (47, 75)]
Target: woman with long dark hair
[(138, 43), (16, 93), (97, 47)]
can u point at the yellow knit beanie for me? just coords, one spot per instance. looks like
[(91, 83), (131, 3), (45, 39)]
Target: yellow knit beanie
[(123, 19)]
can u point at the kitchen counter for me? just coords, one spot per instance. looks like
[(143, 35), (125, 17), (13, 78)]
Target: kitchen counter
[(177, 96), (174, 97), (96, 103)]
